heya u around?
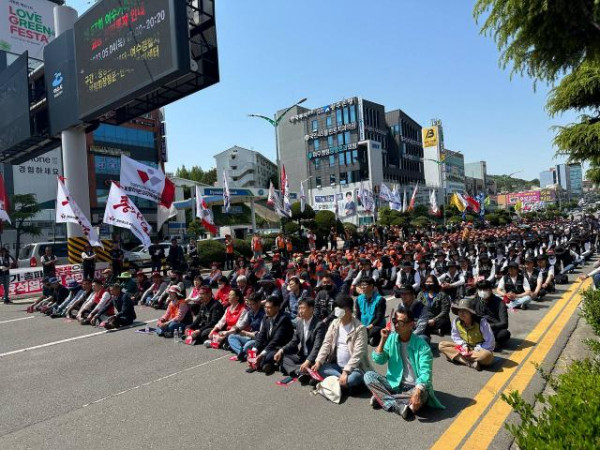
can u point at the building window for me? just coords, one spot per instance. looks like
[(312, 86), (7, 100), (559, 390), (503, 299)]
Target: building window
[(347, 137), (343, 178), (342, 158), (316, 144), (352, 113), (338, 116), (332, 179), (354, 156), (318, 181), (331, 160), (346, 116), (330, 141), (315, 125), (317, 163), (328, 121)]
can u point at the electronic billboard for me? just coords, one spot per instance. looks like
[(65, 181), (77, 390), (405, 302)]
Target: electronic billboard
[(128, 47), (15, 126)]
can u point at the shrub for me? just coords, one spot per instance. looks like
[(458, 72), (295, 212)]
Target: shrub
[(242, 247), (209, 251), (291, 228), (590, 308), (568, 419)]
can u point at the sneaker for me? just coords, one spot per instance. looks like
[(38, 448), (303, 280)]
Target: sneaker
[(250, 370), (304, 379), (207, 343), (475, 365), (405, 412), (375, 403), (268, 369)]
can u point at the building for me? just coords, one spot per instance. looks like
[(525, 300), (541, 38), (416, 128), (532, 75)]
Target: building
[(568, 176), (474, 186), (476, 170), (444, 169), (245, 168), (340, 145)]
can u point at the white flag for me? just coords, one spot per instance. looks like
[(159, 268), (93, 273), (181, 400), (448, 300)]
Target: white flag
[(141, 180), (395, 200), (204, 213), (385, 193), (121, 212), (226, 195), (404, 203), (287, 206), (302, 198), (433, 202), (67, 210)]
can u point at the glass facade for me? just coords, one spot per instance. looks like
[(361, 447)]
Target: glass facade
[(122, 135)]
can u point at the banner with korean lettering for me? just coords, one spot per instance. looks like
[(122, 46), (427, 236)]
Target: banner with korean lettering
[(141, 180), (121, 212), (28, 281)]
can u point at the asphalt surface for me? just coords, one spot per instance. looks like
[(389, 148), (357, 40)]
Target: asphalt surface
[(66, 386)]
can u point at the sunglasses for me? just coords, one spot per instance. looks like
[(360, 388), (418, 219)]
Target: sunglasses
[(401, 322)]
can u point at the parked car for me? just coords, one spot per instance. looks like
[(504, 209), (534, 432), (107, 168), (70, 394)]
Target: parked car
[(30, 254), (140, 257)]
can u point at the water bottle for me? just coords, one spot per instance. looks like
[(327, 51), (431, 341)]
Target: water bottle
[(176, 336)]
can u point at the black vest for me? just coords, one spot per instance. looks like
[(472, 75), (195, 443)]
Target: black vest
[(533, 278), (516, 288)]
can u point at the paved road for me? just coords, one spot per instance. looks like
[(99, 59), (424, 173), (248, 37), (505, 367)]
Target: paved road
[(65, 386)]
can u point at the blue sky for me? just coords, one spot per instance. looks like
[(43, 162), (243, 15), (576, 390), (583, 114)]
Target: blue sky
[(423, 56)]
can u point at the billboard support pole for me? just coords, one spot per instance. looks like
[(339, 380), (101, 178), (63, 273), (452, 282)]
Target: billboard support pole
[(74, 151)]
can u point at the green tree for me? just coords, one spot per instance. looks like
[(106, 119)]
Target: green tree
[(23, 208), (198, 175), (195, 229), (547, 40)]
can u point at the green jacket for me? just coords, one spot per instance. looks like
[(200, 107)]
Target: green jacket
[(421, 358)]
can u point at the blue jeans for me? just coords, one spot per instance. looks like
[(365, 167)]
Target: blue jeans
[(520, 302), (6, 285), (171, 328), (240, 344), (355, 379), (596, 279)]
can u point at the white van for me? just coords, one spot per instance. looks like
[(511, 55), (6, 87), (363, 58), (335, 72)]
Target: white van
[(30, 254)]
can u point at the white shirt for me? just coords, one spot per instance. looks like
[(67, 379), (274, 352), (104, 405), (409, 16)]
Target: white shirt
[(408, 374), (306, 325), (343, 353)]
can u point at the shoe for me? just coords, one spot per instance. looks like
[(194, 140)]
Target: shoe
[(405, 412), (268, 369), (207, 343), (439, 332), (241, 358), (524, 306), (7, 302), (304, 379), (374, 403), (250, 370), (475, 365)]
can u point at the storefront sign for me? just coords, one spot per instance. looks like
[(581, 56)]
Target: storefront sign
[(324, 110), (332, 150)]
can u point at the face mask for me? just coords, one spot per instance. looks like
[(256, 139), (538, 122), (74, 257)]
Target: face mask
[(328, 287), (339, 312), (173, 278), (429, 287), (484, 294)]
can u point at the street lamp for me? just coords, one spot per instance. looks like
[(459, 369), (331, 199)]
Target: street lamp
[(275, 124)]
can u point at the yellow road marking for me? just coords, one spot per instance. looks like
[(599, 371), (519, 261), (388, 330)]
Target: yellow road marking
[(467, 419), (488, 428)]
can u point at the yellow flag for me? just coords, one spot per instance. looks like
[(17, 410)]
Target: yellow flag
[(518, 206), (454, 200)]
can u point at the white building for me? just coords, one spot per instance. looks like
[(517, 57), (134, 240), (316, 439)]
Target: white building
[(244, 168)]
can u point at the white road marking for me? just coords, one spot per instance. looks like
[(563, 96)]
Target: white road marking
[(16, 320), (155, 381), (63, 341)]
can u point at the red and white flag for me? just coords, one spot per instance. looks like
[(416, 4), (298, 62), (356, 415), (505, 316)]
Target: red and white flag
[(204, 213), (165, 209), (435, 210), (302, 198), (285, 189), (274, 200), (4, 204), (142, 180), (413, 198), (121, 212), (67, 210), (472, 203)]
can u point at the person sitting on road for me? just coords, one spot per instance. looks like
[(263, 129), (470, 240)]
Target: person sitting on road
[(57, 296), (46, 293), (58, 309), (244, 332), (242, 284), (88, 314), (370, 310), (177, 316), (175, 279), (292, 294), (155, 291), (325, 299), (533, 277), (344, 350), (109, 276), (222, 294), (71, 308), (436, 308), (408, 384), (214, 275), (514, 288), (492, 308), (193, 298), (472, 338), (128, 284), (209, 314), (453, 282), (300, 354), (276, 331), (407, 276), (142, 284), (547, 274), (366, 271), (234, 316), (124, 311)]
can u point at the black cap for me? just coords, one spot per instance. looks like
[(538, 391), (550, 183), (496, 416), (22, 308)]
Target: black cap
[(513, 264)]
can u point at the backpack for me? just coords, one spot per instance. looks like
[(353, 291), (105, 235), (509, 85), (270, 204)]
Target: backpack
[(561, 278), (330, 389)]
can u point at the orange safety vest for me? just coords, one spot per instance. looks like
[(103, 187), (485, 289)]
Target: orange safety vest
[(229, 247)]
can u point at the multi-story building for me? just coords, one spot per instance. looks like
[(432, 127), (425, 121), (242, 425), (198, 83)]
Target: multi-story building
[(548, 177), (454, 178), (568, 176), (576, 180), (245, 168), (338, 146), (444, 169), (474, 186)]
